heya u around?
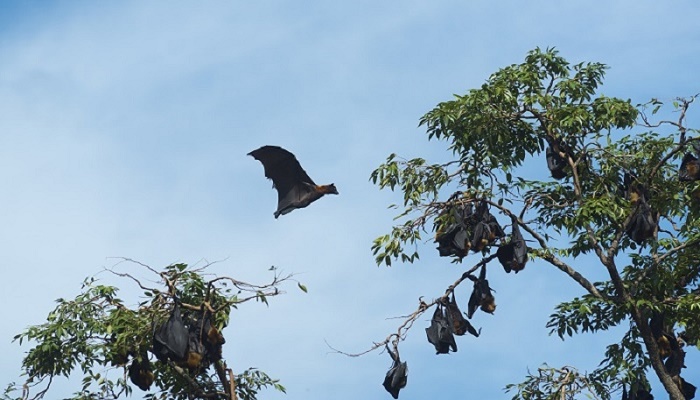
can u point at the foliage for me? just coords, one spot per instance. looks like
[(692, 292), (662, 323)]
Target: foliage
[(556, 384), (99, 336), (603, 177)]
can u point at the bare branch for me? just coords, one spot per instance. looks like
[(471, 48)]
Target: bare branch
[(410, 319)]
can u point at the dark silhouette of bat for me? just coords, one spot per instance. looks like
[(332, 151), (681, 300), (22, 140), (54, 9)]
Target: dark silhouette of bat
[(459, 324), (466, 228), (171, 338), (455, 238), (397, 376), (555, 163), (205, 341), (440, 332), (295, 189), (513, 255), (486, 228), (637, 392), (643, 224), (634, 190), (660, 331), (690, 169), (141, 374), (481, 296), (688, 389)]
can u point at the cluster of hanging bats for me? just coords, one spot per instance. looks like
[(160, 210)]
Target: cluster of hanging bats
[(471, 227), (468, 226), (195, 343), (192, 343)]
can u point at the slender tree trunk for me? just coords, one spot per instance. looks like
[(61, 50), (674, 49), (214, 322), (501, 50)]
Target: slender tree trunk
[(672, 389)]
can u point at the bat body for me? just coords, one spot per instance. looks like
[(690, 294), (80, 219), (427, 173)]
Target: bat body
[(204, 341), (295, 189), (141, 374), (690, 169), (397, 376), (440, 332), (481, 296), (513, 255), (455, 238), (555, 163), (688, 389), (468, 229), (171, 338), (643, 224), (459, 324)]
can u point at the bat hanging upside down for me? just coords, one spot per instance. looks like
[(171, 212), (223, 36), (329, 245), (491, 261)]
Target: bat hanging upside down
[(295, 189)]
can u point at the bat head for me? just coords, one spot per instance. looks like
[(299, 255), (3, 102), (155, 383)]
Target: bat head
[(329, 189)]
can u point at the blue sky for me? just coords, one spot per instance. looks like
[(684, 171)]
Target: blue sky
[(124, 128)]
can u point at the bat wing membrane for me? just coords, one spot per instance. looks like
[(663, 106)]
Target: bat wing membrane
[(283, 168)]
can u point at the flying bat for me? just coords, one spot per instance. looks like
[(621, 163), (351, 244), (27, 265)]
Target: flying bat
[(295, 189)]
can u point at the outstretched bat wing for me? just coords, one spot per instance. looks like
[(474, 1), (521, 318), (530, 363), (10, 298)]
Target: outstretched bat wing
[(283, 169)]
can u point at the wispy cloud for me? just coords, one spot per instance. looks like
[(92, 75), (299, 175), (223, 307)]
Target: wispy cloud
[(124, 128)]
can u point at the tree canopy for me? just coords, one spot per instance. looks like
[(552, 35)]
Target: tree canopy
[(619, 185), (169, 344)]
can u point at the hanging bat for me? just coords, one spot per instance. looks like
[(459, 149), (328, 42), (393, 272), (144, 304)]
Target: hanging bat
[(295, 189), (481, 296), (486, 228), (637, 392), (459, 324), (204, 341), (397, 376), (555, 163), (688, 389), (171, 338), (141, 374), (690, 169), (643, 223), (440, 332), (641, 394), (633, 189), (659, 331), (513, 255), (455, 239)]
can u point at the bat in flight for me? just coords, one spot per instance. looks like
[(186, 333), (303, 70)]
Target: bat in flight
[(295, 189)]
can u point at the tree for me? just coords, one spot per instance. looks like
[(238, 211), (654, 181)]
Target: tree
[(619, 196), (114, 347)]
